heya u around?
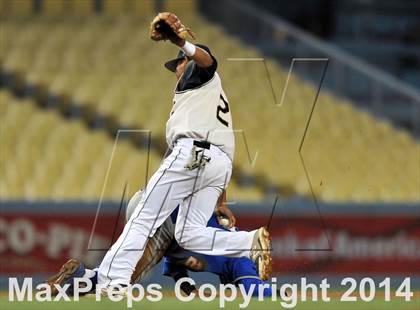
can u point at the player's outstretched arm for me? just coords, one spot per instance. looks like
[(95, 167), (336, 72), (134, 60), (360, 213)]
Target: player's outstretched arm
[(200, 56)]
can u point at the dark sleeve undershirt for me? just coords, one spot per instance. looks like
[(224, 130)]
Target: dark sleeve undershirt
[(195, 76)]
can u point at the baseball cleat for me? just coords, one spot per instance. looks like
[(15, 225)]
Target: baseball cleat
[(70, 270), (260, 253)]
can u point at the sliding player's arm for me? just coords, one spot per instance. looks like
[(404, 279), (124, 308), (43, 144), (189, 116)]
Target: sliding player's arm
[(223, 210)]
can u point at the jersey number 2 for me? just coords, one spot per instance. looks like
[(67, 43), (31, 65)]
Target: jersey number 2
[(222, 109)]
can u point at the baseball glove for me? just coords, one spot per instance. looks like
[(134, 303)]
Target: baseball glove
[(167, 26)]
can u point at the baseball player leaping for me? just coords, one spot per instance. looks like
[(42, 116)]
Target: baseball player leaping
[(200, 135)]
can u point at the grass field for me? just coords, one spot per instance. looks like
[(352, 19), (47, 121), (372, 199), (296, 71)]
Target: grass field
[(172, 303)]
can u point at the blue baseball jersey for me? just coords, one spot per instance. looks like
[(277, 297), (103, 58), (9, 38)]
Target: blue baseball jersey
[(230, 270)]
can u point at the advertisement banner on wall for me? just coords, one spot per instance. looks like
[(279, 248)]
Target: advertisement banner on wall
[(37, 238)]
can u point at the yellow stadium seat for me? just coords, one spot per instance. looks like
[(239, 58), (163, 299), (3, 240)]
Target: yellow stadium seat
[(112, 7), (81, 7), (17, 8), (145, 8), (54, 7)]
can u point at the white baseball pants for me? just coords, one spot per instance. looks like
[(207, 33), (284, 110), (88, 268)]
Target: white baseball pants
[(196, 191)]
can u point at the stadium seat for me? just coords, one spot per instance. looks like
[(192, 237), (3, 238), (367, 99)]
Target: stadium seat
[(17, 9)]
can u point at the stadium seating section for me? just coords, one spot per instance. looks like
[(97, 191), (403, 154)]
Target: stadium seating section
[(107, 62)]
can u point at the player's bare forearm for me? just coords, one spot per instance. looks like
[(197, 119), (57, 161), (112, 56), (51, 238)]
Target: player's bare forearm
[(201, 57), (223, 210), (222, 199)]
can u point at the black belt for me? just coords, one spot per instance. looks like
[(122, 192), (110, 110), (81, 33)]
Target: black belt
[(202, 144)]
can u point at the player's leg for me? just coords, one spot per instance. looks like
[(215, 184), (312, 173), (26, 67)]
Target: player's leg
[(240, 271), (230, 270), (192, 233), (120, 261), (71, 270), (156, 245), (243, 271), (155, 249), (163, 193), (168, 187)]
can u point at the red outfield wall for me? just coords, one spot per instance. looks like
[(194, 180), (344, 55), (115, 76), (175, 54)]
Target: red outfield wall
[(38, 237), (355, 243)]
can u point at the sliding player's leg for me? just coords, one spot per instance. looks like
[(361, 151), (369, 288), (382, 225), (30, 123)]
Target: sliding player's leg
[(243, 272)]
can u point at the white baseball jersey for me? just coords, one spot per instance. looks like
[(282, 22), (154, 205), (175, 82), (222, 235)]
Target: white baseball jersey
[(202, 113)]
